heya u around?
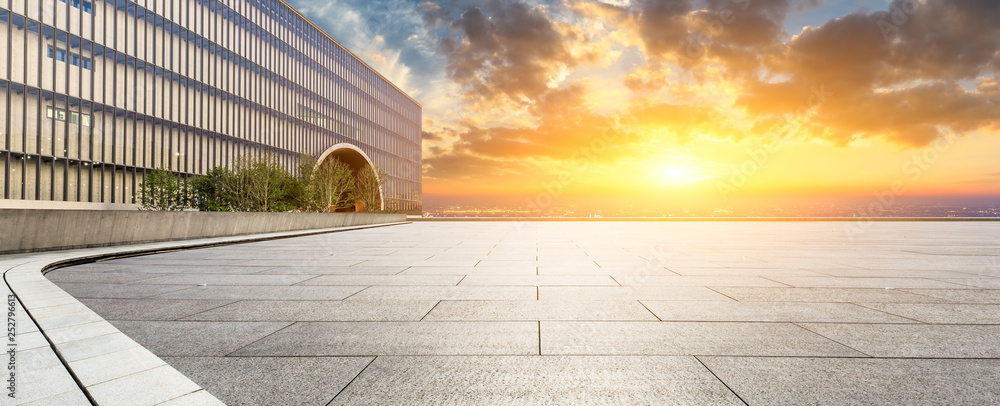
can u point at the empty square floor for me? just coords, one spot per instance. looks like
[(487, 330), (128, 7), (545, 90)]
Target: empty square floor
[(574, 312)]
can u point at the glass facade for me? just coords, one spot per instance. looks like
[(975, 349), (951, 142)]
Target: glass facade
[(95, 94)]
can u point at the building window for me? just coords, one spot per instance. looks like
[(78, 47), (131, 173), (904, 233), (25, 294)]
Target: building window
[(58, 54), (74, 59), (84, 5), (74, 117)]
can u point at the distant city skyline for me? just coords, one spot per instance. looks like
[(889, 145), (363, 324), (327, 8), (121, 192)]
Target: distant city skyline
[(697, 102), (859, 206)]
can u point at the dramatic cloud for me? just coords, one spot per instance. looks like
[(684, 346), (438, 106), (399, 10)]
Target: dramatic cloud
[(895, 74), (566, 126), (504, 51)]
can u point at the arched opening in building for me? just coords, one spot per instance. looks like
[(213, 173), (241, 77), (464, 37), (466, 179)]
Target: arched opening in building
[(357, 160)]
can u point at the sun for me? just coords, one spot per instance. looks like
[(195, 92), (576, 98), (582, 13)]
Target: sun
[(679, 174)]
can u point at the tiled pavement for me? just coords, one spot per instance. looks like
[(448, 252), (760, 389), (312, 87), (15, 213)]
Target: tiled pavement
[(574, 312)]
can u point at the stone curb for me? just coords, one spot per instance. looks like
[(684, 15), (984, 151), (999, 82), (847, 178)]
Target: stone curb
[(103, 365)]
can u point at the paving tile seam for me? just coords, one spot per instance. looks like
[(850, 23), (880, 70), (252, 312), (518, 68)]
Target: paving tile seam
[(772, 280), (616, 280), (831, 339), (888, 312), (355, 293), (200, 389), (431, 310), (299, 283), (720, 380), (182, 318), (723, 294), (252, 342), (352, 380), (30, 268), (539, 337)]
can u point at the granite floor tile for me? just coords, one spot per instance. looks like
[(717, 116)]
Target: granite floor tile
[(77, 276), (228, 280), (769, 312), (334, 270), (263, 293), (119, 291), (195, 338), (981, 296), (915, 340), (827, 295), (486, 271), (398, 338), (644, 279), (481, 310), (874, 283), (384, 280), (150, 309), (629, 293), (447, 293), (696, 338), (857, 381), (535, 280), (943, 313), (271, 380), (333, 310), (482, 380)]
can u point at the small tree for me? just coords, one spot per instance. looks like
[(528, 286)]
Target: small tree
[(212, 192), (164, 191), (366, 187), (323, 186), (261, 184)]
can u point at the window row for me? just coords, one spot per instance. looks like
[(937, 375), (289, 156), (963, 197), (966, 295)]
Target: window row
[(47, 124), (74, 117), (84, 5), (74, 59), (266, 87)]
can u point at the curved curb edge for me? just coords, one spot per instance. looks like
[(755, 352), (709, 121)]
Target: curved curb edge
[(108, 367)]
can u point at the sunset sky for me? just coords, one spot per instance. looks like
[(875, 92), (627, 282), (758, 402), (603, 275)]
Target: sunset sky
[(704, 101)]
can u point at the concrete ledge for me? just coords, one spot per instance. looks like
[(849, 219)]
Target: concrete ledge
[(42, 230), (97, 363)]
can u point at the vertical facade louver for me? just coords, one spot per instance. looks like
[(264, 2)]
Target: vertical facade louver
[(96, 94)]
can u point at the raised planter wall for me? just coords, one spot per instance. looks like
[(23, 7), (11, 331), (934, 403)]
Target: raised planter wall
[(25, 230)]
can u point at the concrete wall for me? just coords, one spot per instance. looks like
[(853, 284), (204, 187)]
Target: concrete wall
[(41, 230)]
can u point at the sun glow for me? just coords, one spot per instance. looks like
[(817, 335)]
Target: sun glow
[(677, 174)]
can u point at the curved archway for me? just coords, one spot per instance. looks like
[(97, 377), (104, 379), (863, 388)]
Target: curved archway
[(355, 158)]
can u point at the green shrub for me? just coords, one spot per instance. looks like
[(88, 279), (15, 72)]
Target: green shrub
[(162, 190)]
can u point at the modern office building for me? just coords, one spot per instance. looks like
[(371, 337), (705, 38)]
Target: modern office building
[(95, 94)]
